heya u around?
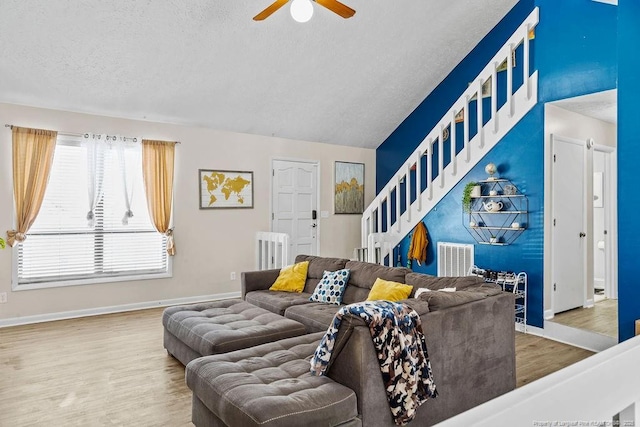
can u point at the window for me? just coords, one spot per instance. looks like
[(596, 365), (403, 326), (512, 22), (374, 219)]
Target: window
[(65, 247)]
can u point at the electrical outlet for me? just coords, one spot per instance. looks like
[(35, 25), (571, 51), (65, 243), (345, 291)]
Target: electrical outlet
[(3, 297), (233, 275)]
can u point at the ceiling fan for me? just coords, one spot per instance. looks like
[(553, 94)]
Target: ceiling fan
[(333, 5)]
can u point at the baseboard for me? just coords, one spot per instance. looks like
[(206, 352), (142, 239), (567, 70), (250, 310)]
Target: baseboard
[(531, 330), (577, 337), (567, 335), (49, 317)]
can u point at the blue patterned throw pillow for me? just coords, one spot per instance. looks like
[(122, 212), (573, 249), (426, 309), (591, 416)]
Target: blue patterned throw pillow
[(331, 287)]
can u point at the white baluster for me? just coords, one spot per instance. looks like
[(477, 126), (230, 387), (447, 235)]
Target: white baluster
[(480, 118), (419, 181), (258, 252), (452, 140), (407, 192), (398, 187), (494, 97), (467, 147), (430, 169), (441, 157), (510, 79), (525, 62), (379, 223), (388, 210)]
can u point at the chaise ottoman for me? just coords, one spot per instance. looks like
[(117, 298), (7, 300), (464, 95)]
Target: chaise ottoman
[(192, 331), (269, 386)]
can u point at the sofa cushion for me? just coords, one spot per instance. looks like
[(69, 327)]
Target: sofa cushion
[(330, 289), (421, 307), (388, 290), (485, 288), (439, 300), (271, 385), (317, 267), (315, 317), (221, 326), (276, 301), (418, 280), (364, 274), (292, 278)]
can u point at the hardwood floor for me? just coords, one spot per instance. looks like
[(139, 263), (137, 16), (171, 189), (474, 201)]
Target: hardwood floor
[(602, 318), (97, 371), (537, 357), (113, 371)]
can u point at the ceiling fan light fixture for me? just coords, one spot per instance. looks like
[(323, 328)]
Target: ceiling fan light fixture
[(301, 10)]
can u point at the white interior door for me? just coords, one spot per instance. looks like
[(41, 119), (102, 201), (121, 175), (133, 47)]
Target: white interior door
[(568, 230), (294, 205)]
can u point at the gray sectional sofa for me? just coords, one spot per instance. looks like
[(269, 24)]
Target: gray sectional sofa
[(470, 338)]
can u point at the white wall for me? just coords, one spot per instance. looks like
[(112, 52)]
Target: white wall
[(210, 243), (558, 121)]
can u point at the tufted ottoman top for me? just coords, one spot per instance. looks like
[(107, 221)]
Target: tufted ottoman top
[(270, 385), (228, 325)]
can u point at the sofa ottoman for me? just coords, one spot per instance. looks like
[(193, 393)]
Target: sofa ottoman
[(196, 330), (268, 385)]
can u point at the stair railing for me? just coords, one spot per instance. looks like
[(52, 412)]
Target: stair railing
[(427, 189)]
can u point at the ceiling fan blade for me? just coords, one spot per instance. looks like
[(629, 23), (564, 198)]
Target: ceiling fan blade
[(269, 10), (337, 7)]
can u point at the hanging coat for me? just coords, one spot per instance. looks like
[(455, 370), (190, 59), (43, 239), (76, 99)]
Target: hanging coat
[(419, 242)]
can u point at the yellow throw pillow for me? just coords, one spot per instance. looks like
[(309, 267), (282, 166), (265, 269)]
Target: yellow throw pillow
[(388, 290), (291, 278)]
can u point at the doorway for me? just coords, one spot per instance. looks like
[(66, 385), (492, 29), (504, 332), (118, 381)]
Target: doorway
[(604, 224), (294, 205), (590, 121), (582, 223)]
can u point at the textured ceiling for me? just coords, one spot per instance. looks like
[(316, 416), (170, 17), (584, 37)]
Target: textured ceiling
[(600, 105), (207, 63)]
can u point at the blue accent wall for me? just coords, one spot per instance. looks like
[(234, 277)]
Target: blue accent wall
[(628, 160), (576, 48), (575, 53), (518, 157)]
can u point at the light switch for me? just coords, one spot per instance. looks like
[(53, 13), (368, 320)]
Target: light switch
[(324, 214)]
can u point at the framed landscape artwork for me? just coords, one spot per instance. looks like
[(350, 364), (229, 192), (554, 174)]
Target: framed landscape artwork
[(221, 189), (349, 188)]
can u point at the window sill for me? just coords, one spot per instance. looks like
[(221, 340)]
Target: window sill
[(88, 281)]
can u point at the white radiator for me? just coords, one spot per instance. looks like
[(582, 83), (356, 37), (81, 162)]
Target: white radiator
[(454, 259), (272, 250)]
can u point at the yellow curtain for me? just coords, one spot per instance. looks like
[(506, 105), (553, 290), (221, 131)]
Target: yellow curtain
[(32, 158), (157, 171)]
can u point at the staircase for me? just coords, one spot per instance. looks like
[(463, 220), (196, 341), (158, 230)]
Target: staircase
[(427, 175)]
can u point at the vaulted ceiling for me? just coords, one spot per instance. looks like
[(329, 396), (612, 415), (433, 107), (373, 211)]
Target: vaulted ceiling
[(207, 63)]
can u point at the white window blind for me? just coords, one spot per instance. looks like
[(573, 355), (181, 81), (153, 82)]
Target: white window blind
[(64, 247)]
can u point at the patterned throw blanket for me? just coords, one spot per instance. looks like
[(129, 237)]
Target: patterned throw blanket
[(402, 352)]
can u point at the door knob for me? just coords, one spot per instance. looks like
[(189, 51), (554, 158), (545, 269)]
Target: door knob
[(314, 225), (582, 235)]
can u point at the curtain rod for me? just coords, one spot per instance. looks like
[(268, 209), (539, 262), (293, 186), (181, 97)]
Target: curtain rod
[(76, 134)]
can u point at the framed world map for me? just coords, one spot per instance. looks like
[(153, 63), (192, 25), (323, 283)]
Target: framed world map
[(221, 189)]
